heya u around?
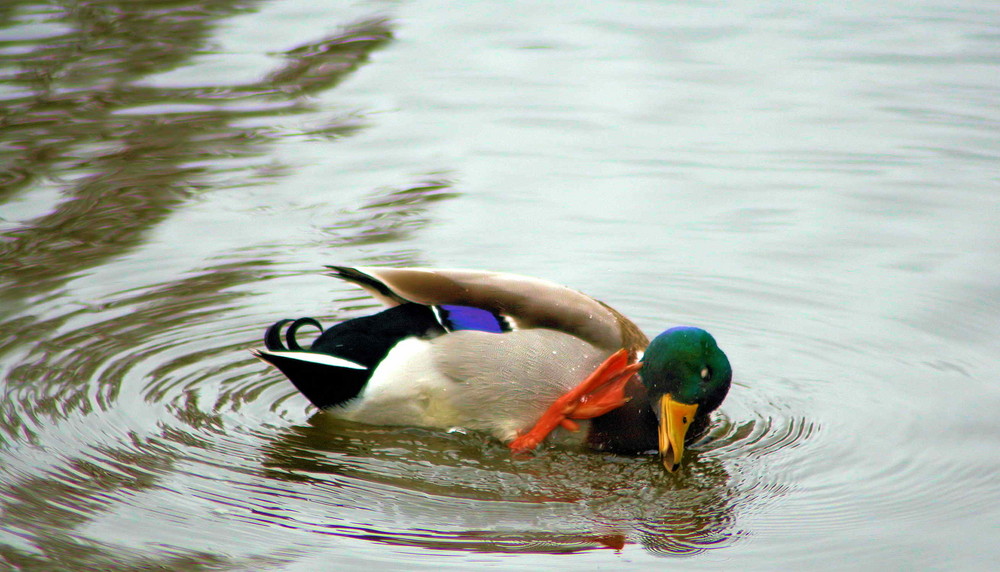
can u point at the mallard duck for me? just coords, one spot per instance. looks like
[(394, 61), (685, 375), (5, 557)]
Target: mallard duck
[(509, 355)]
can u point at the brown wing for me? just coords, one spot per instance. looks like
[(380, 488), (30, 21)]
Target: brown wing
[(529, 302)]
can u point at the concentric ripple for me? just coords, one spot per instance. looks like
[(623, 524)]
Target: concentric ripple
[(815, 186), (176, 421), (170, 422)]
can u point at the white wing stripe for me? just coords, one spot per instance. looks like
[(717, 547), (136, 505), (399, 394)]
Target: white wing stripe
[(323, 359)]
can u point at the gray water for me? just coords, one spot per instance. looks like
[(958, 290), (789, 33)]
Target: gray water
[(817, 185)]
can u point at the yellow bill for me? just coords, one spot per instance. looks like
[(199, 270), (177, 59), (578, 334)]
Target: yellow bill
[(675, 418)]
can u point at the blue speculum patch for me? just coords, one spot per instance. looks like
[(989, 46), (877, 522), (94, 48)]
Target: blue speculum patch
[(468, 318)]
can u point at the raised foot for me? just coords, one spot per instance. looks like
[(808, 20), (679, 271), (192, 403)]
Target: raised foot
[(602, 391)]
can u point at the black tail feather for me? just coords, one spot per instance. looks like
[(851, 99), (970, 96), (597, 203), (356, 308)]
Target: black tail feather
[(359, 345), (323, 384), (294, 329), (272, 337)]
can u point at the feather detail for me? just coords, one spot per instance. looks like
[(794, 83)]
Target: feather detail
[(454, 318), (325, 380), (527, 302), (309, 357)]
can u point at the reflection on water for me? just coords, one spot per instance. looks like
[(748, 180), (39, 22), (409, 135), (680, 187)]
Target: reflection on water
[(154, 218), (469, 494), (123, 154), (115, 387)]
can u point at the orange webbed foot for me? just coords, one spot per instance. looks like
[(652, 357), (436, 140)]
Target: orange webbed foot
[(602, 391)]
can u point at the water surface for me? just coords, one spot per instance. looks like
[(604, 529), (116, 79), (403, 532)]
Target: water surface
[(816, 185)]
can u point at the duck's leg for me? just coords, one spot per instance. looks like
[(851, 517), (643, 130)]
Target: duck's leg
[(602, 391)]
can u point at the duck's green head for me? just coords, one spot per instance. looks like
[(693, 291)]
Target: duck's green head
[(687, 376)]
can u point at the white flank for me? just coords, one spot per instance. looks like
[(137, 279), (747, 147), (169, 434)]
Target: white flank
[(323, 359), (406, 389)]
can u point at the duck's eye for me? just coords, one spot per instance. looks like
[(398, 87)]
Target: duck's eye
[(706, 374)]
